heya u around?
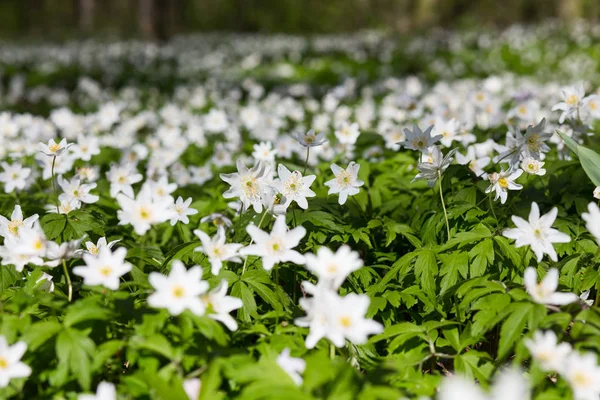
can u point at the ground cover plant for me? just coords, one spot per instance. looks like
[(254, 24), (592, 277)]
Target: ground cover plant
[(334, 217)]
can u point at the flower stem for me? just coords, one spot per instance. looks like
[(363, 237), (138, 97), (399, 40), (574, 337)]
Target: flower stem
[(443, 203), (331, 351), (252, 241), (68, 278), (306, 161), (54, 187)]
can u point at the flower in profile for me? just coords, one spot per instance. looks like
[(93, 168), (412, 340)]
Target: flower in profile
[(217, 250), (435, 166), (178, 291), (545, 292), (94, 248), (419, 140), (333, 268), (104, 391), (346, 181), (10, 361), (219, 305), (503, 181), (310, 138), (277, 246), (105, 269), (53, 149), (218, 220), (293, 366), (596, 193), (294, 187), (246, 184), (546, 350), (538, 232), (592, 219)]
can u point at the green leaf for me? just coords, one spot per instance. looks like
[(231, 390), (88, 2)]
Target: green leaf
[(53, 225), (590, 161), (40, 332), (512, 328), (8, 276), (481, 256), (426, 270), (86, 310), (74, 350)]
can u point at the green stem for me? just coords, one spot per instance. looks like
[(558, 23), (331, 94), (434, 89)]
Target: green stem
[(331, 351), (492, 207), (443, 203), (54, 186), (252, 241), (306, 161), (68, 278)]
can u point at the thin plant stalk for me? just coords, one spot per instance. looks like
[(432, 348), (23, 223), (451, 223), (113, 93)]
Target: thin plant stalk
[(54, 185), (443, 203), (306, 161), (68, 278), (252, 241), (331, 351)]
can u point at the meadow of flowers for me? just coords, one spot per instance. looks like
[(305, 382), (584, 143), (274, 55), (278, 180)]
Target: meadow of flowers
[(334, 217)]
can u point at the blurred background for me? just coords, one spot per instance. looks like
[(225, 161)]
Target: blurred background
[(161, 19)]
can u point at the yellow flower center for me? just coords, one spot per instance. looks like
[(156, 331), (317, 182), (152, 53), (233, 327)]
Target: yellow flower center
[(572, 100), (332, 268), (581, 379), (38, 244), (145, 213), (345, 321), (106, 270), (93, 250), (503, 182), (3, 363), (178, 291), (13, 227), (54, 148)]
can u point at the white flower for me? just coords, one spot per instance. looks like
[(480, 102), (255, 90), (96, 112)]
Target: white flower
[(264, 152), (533, 166), (74, 190), (336, 318), (333, 268), (10, 361), (510, 384), (104, 391), (64, 207), (182, 210), (546, 350), (105, 269), (596, 193), (592, 220), (545, 291), (86, 147), (143, 211), (419, 140), (583, 374), (276, 246), (192, 388), (246, 184), (94, 249), (121, 177), (572, 98), (503, 181), (538, 232), (435, 166), (292, 366), (294, 187), (13, 226), (217, 250), (310, 138), (14, 177), (53, 149), (346, 181), (178, 291), (219, 305), (65, 251), (475, 164), (347, 133)]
